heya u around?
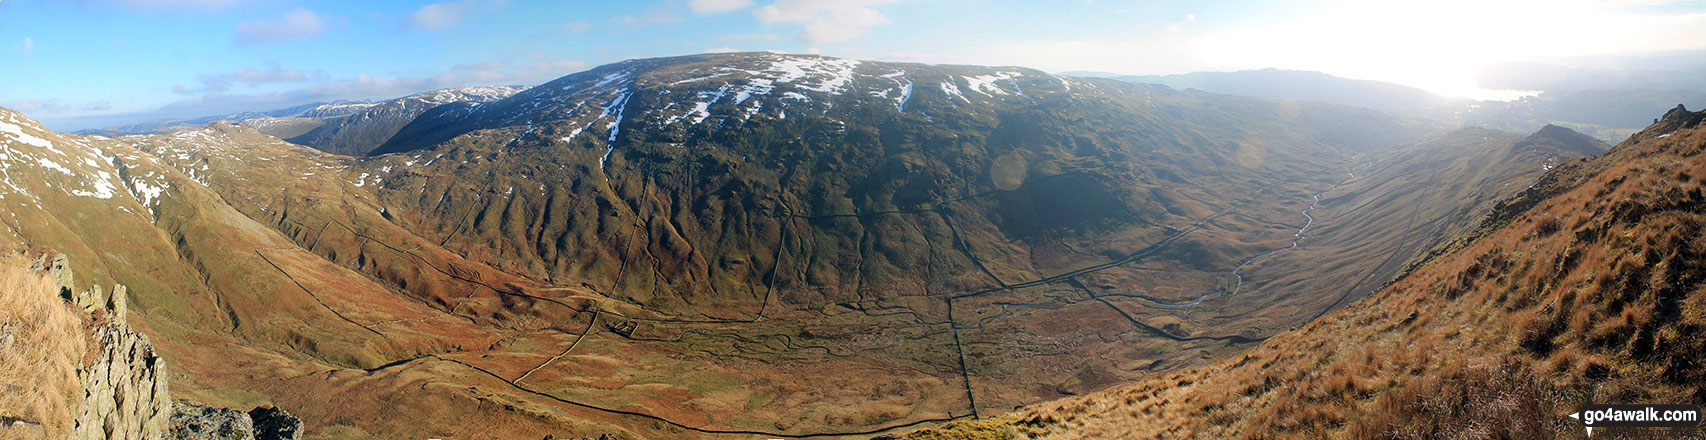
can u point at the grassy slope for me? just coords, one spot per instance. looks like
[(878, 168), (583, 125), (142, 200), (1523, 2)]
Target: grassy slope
[(42, 343), (321, 274), (1588, 287)]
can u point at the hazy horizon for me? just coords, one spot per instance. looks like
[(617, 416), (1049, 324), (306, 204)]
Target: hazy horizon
[(157, 59)]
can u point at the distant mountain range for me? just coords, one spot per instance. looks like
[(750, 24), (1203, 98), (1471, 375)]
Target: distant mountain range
[(1299, 85), (1607, 114), (343, 127), (783, 246), (742, 229), (1581, 288)]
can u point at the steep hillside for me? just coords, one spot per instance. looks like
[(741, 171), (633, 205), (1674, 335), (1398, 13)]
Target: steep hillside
[(731, 245), (704, 160), (1587, 287), (361, 132)]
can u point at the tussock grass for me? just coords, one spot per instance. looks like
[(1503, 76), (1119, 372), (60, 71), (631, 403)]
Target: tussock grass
[(1589, 288), (41, 345)]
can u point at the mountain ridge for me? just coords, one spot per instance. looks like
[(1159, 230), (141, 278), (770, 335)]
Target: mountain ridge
[(725, 244), (1571, 293)]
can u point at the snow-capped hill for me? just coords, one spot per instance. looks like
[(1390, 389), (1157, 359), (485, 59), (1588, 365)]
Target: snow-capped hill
[(359, 132), (708, 92), (37, 163), (472, 94), (343, 126)]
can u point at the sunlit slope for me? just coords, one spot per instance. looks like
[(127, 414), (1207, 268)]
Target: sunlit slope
[(1403, 204), (1585, 288), (681, 183), (749, 244), (235, 303)]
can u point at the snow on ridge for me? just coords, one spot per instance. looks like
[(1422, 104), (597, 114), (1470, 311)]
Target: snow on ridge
[(145, 192), (905, 85), (54, 165), (18, 133), (754, 86), (1019, 91), (833, 74), (702, 109), (621, 105), (702, 78), (953, 90), (986, 84), (612, 78), (1063, 83)]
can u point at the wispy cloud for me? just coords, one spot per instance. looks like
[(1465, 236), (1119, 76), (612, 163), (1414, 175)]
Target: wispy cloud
[(826, 21), (743, 38), (654, 16), (221, 82), (441, 16), (708, 7), (26, 46), (57, 106), (298, 23), (574, 27), (529, 69), (177, 3)]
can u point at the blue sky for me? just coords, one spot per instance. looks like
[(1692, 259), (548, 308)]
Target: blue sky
[(85, 63)]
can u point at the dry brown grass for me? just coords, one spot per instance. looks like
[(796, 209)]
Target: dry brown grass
[(41, 346), (1592, 291)]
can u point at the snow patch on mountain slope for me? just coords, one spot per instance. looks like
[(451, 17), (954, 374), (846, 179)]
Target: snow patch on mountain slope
[(986, 84), (953, 90), (905, 86), (17, 133)]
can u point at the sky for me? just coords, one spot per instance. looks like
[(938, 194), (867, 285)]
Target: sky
[(76, 64)]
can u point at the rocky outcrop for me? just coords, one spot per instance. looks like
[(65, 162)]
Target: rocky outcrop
[(125, 395), (275, 424), (196, 422), (124, 381), (125, 392)]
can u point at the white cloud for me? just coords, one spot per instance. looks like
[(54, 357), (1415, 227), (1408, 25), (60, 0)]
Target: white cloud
[(298, 23), (26, 46), (441, 16), (744, 38), (273, 73), (529, 69), (573, 27), (826, 21), (707, 7), (178, 3), (653, 16), (57, 106)]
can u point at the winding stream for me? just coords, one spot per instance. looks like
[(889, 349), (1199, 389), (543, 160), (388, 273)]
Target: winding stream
[(1237, 271)]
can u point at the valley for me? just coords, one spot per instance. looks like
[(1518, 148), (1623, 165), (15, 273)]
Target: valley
[(851, 219), (1581, 288), (754, 244)]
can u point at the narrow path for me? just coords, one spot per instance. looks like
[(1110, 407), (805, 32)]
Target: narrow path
[(589, 324)]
